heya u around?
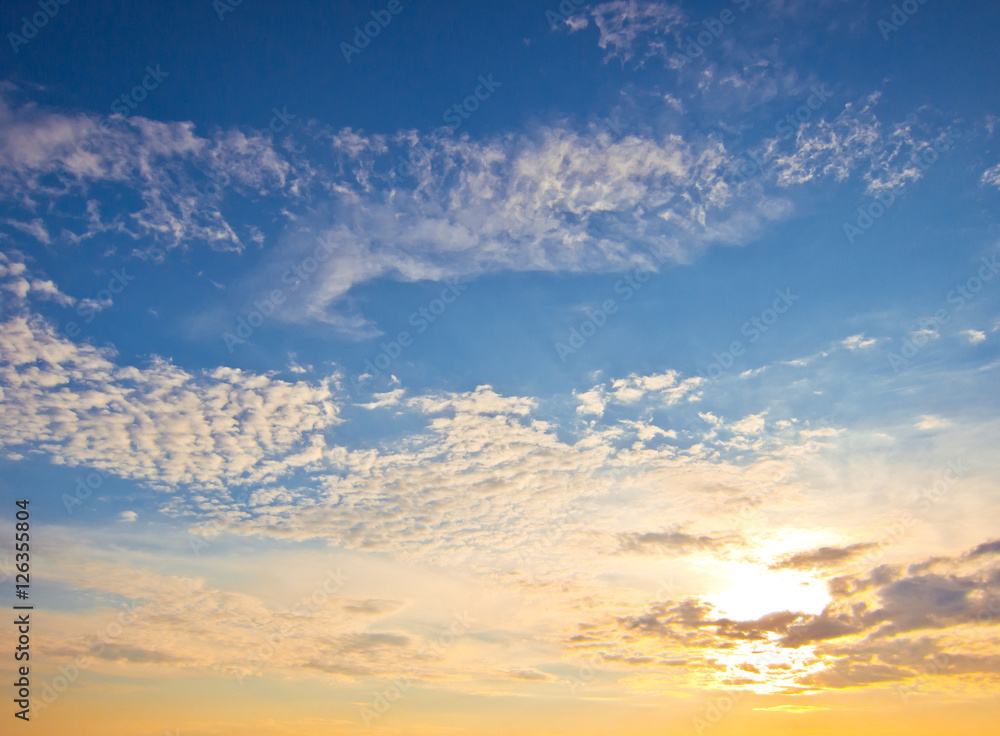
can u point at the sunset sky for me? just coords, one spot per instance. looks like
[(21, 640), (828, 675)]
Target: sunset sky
[(433, 368)]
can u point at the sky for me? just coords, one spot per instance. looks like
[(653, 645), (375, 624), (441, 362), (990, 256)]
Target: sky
[(432, 368)]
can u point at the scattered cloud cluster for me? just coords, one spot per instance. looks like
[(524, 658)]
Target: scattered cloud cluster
[(410, 206), (50, 158), (158, 424), (626, 26)]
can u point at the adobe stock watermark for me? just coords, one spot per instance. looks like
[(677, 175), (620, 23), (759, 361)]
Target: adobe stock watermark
[(456, 114), (88, 309), (223, 7), (614, 125), (548, 539), (124, 105), (279, 122), (753, 330), (267, 304), (48, 9), (751, 164), (790, 124), (938, 665), (566, 10), (614, 128), (717, 708), (84, 490), (626, 287), (49, 691), (213, 527), (694, 46), (899, 17), (307, 605), (461, 111), (749, 518), (364, 35), (217, 182), (925, 500), (870, 214), (421, 319), (587, 672), (129, 101), (382, 701), (957, 298)]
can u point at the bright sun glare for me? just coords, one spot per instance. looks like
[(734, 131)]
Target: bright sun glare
[(757, 592)]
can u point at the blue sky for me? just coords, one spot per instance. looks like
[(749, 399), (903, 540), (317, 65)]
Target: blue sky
[(693, 290)]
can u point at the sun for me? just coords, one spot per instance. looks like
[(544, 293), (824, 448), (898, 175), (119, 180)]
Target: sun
[(756, 592)]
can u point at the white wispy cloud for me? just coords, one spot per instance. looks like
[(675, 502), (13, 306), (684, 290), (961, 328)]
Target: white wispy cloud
[(932, 422), (35, 228), (410, 206), (991, 177), (50, 156), (631, 27), (858, 342), (974, 336)]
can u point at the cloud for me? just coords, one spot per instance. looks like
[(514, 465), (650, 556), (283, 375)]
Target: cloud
[(855, 140), (986, 548), (793, 708), (662, 389), (35, 228), (553, 200), (96, 305), (493, 479), (559, 197), (128, 516), (18, 285), (882, 626), (753, 424), (373, 607), (529, 675), (904, 603), (669, 543), (991, 177), (192, 627), (924, 335), (158, 424), (822, 557), (175, 174), (929, 423), (974, 336), (710, 418), (803, 362), (858, 342), (630, 27), (476, 462), (138, 655)]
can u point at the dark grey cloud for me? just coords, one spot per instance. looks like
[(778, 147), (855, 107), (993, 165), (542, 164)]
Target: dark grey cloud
[(118, 652), (372, 607), (986, 548), (822, 557), (669, 543)]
